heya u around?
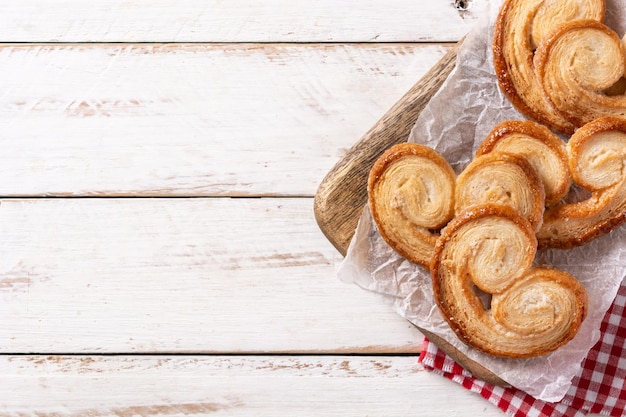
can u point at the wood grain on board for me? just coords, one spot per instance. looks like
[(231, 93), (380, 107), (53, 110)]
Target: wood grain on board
[(263, 385), (179, 275), (191, 119), (236, 21)]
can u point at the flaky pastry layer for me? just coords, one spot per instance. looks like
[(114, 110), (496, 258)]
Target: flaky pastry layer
[(489, 250), (581, 69), (520, 28), (411, 196), (545, 152), (597, 157), (502, 178)]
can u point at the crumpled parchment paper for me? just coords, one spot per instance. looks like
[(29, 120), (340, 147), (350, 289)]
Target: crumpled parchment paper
[(454, 123)]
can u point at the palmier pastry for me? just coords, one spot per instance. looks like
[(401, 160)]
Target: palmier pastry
[(520, 27), (502, 178), (597, 153), (411, 196), (490, 249), (581, 68), (544, 151)]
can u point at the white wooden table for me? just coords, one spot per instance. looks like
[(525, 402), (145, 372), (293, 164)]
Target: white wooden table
[(157, 171)]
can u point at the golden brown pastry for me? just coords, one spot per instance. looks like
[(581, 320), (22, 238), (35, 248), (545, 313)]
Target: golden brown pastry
[(597, 156), (624, 46), (505, 179), (520, 27), (581, 68), (489, 250), (544, 151), (411, 195)]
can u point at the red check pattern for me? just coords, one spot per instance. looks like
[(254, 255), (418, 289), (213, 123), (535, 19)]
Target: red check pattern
[(598, 388)]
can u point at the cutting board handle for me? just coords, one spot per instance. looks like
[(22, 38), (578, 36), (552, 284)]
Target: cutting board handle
[(342, 194)]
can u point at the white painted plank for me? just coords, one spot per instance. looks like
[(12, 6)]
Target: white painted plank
[(191, 119), (234, 21), (122, 386), (181, 275)]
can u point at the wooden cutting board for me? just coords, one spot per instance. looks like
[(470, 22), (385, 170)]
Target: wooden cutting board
[(342, 194)]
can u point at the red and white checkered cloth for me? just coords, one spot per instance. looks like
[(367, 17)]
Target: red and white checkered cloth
[(599, 387)]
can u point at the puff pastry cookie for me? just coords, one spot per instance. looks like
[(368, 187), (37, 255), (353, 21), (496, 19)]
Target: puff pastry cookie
[(411, 195), (477, 233), (520, 28), (532, 311), (545, 152), (581, 69), (502, 178), (597, 157)]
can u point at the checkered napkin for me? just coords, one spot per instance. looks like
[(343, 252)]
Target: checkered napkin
[(599, 387)]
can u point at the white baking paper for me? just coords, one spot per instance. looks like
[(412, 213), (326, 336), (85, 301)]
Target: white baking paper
[(454, 123)]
